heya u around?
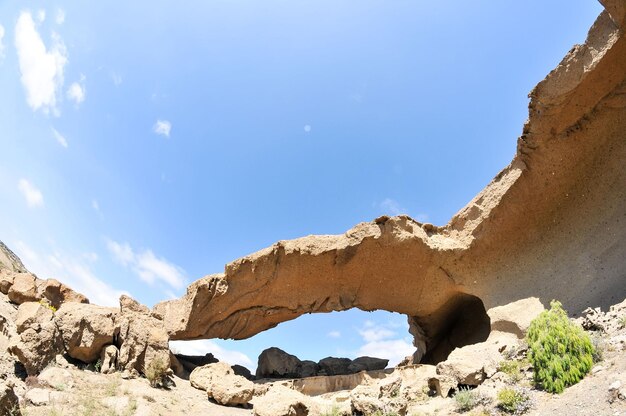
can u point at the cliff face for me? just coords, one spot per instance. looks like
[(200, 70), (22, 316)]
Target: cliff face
[(552, 224)]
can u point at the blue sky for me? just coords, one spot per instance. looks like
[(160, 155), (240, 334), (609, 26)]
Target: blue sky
[(146, 144)]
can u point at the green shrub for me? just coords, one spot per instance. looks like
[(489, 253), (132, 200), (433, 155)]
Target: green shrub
[(513, 369), (514, 401), (467, 399), (157, 372), (560, 352)]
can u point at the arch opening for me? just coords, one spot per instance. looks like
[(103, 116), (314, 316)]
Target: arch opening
[(461, 321)]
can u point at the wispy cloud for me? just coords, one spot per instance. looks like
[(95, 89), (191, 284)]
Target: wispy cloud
[(41, 69), (76, 92), (384, 341), (334, 334), (203, 346), (70, 270), (391, 206), (32, 195), (307, 128), (60, 17), (147, 265), (1, 44), (162, 127), (59, 137)]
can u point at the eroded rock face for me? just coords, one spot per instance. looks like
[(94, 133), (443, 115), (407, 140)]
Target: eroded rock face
[(142, 336), (523, 235), (39, 339), (86, 329)]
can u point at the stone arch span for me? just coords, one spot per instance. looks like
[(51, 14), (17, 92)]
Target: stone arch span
[(552, 224)]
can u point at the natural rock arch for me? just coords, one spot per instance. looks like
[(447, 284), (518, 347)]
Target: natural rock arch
[(552, 224)]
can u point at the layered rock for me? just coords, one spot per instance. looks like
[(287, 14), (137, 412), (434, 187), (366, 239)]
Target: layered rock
[(222, 384), (562, 195)]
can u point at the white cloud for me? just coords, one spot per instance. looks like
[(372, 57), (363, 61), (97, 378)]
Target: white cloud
[(334, 334), (150, 268), (33, 196), (307, 128), (59, 137), (202, 346), (122, 253), (162, 127), (76, 92), (41, 15), (391, 206), (91, 257), (41, 69), (146, 265), (383, 341), (60, 18), (70, 271), (1, 44)]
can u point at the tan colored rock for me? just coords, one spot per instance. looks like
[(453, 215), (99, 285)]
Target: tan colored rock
[(57, 293), (473, 364), (108, 359), (521, 236), (86, 329), (23, 289), (9, 261), (142, 337), (39, 340), (6, 280), (515, 318), (8, 315), (283, 401), (222, 384), (37, 396), (57, 378)]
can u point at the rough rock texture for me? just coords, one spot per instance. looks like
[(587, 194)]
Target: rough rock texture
[(86, 329), (8, 399), (39, 338), (142, 336), (9, 261), (222, 384), (276, 363), (562, 195), (283, 401), (515, 318)]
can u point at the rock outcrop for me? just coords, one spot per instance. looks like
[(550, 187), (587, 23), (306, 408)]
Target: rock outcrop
[(276, 363), (562, 195)]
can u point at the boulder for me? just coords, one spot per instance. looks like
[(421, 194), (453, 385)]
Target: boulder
[(283, 401), (142, 337), (189, 362), (276, 363), (57, 293), (515, 317), (332, 366), (39, 339), (367, 364), (86, 329), (108, 359), (58, 378), (222, 384), (242, 371), (23, 289), (472, 364), (6, 280), (37, 396), (308, 369)]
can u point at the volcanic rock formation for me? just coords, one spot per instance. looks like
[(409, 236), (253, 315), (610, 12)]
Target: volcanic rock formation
[(552, 224)]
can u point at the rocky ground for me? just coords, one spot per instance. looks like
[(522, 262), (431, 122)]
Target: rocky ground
[(62, 388)]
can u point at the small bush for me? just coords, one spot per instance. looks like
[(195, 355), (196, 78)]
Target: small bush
[(514, 401), (513, 369), (157, 372), (467, 399), (332, 412), (561, 352)]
